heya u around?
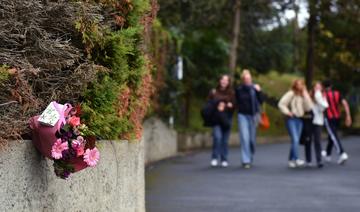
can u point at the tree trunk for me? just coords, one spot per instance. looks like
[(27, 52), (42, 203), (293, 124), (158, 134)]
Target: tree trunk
[(296, 33), (311, 43), (235, 38)]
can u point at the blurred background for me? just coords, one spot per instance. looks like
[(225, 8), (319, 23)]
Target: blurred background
[(277, 40)]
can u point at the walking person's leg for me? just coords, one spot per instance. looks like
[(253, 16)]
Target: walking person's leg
[(332, 127), (216, 148), (290, 125), (306, 138), (317, 144), (307, 146), (299, 127), (343, 156), (244, 135), (252, 129), (327, 153), (294, 127), (224, 147)]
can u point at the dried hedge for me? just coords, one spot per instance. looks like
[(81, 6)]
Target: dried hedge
[(74, 51)]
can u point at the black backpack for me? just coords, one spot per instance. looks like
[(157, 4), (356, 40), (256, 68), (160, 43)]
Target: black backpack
[(208, 113)]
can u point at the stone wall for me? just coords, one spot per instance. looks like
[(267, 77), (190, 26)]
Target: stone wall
[(27, 181), (160, 141), (192, 141)]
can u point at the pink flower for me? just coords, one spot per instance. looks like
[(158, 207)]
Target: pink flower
[(58, 148), (91, 157), (80, 139), (80, 151), (74, 121), (75, 144), (78, 145)]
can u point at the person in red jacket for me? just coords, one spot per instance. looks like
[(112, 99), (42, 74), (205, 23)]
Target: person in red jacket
[(332, 122)]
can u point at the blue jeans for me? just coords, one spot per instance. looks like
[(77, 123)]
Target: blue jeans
[(294, 126), (247, 133), (220, 143)]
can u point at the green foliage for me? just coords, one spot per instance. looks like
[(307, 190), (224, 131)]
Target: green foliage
[(4, 73), (119, 51)]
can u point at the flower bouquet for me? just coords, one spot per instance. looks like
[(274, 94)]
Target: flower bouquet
[(69, 142)]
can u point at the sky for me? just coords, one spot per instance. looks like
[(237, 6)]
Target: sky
[(289, 14), (303, 13)]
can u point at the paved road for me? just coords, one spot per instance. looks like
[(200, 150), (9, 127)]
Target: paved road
[(188, 184)]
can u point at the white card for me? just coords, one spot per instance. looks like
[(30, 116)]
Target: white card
[(50, 116)]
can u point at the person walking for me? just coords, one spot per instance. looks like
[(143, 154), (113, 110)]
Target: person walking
[(315, 125), (249, 98), (223, 97), (332, 122), (293, 105)]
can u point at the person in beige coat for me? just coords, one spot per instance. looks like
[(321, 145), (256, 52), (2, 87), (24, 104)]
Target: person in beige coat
[(293, 105)]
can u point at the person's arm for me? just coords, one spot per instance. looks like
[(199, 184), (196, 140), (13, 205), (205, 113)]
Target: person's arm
[(308, 103), (348, 120), (259, 94), (284, 103), (321, 100)]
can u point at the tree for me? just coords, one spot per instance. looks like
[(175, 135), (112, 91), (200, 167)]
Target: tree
[(311, 42), (235, 38)]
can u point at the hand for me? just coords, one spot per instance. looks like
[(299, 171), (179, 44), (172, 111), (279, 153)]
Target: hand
[(229, 105), (305, 93), (290, 114), (257, 87), (221, 106), (348, 121)]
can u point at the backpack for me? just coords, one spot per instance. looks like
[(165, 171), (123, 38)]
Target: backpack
[(208, 113)]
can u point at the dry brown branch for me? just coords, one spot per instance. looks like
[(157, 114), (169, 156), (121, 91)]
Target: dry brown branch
[(40, 40)]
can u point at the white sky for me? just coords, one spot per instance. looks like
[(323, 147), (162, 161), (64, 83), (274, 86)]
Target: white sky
[(289, 14), (303, 13)]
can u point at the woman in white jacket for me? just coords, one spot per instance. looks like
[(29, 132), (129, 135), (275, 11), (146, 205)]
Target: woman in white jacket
[(320, 105)]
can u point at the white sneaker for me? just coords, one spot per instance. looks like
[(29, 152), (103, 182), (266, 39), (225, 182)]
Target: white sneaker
[(214, 163), (343, 158), (325, 156), (292, 164), (224, 164), (299, 162)]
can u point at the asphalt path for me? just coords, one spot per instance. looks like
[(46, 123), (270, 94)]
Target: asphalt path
[(189, 184)]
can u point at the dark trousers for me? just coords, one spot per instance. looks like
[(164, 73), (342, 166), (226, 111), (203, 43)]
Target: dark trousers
[(332, 126), (315, 137)]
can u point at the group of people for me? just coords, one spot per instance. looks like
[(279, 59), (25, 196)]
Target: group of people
[(306, 113)]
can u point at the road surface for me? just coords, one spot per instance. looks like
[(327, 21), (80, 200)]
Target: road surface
[(188, 184)]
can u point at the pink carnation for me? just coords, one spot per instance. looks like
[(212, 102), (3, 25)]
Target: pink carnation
[(74, 121), (91, 157), (78, 145), (58, 148), (80, 151)]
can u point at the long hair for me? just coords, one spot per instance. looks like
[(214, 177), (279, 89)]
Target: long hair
[(295, 88), (229, 87), (312, 92)]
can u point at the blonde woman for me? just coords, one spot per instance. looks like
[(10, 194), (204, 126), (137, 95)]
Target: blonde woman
[(248, 97), (293, 105)]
